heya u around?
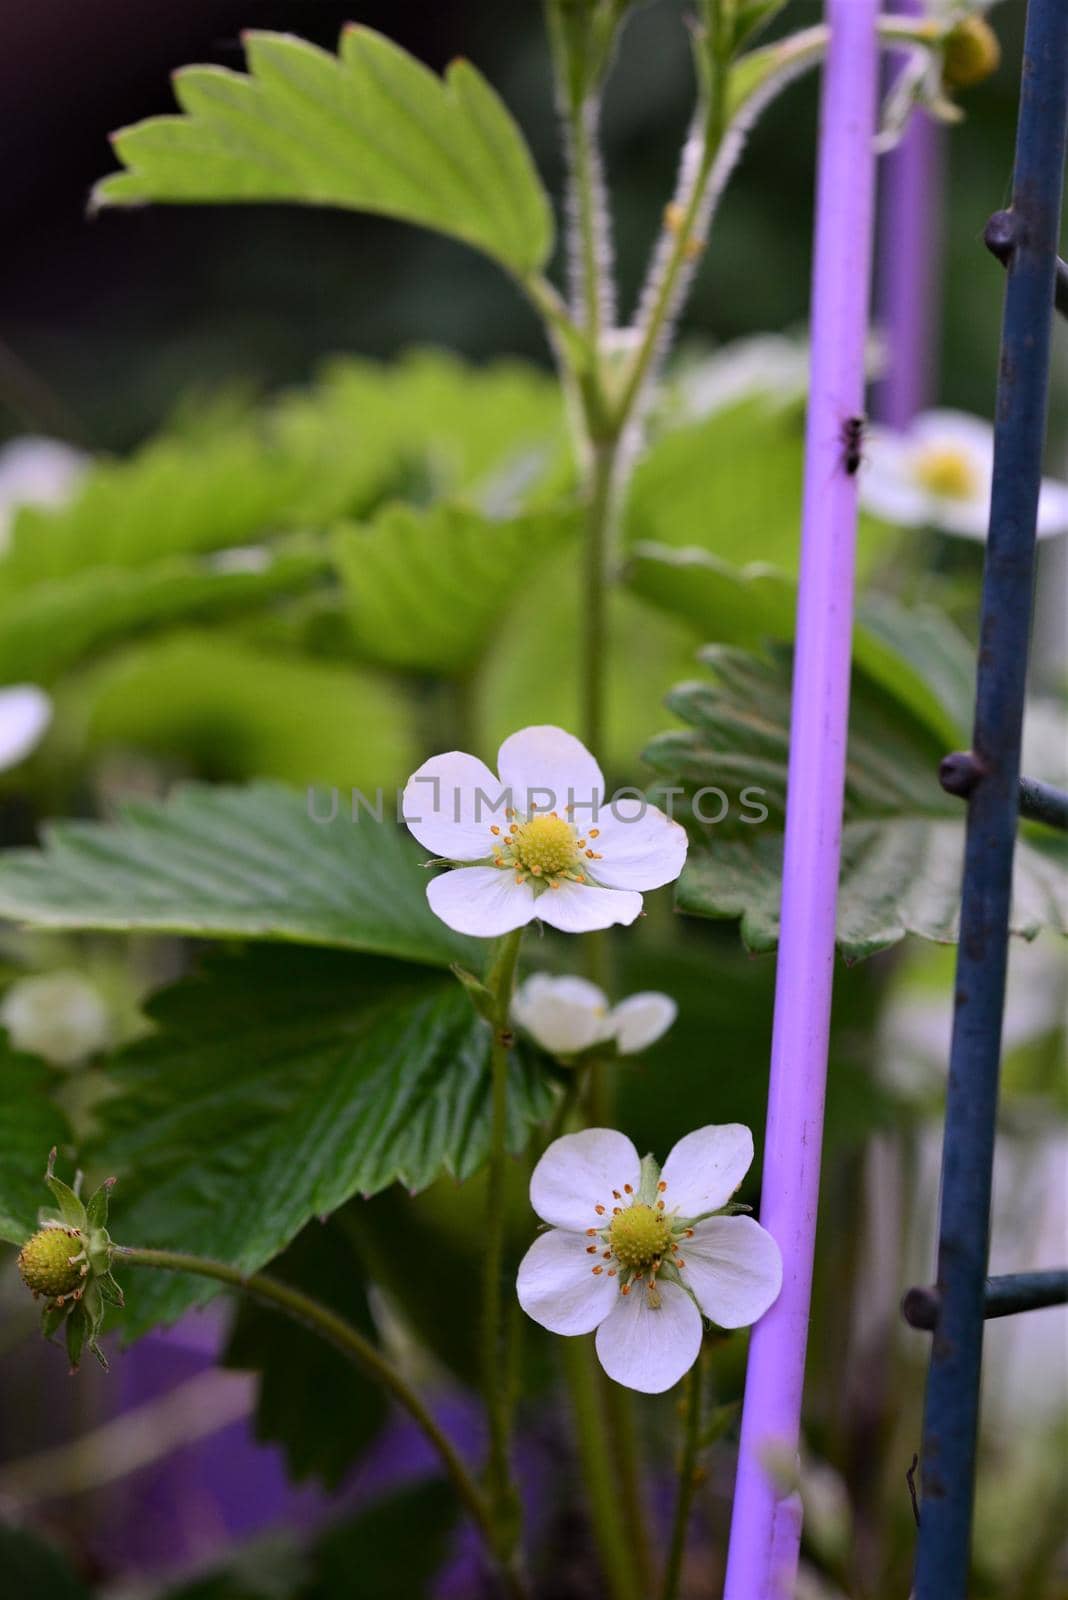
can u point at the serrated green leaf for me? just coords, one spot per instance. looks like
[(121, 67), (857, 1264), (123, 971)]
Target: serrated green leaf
[(235, 863), (731, 484), (370, 129), (903, 840), (249, 712), (280, 1085), (50, 627), (426, 590), (311, 1400), (918, 656), (30, 1125), (424, 426), (178, 495)]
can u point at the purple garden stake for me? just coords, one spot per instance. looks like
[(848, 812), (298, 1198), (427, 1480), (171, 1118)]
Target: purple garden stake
[(910, 252), (766, 1526)]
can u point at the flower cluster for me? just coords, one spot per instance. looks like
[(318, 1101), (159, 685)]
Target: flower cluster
[(642, 1254)]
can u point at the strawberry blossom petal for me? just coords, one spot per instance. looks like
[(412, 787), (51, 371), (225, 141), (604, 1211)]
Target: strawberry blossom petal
[(450, 805), (705, 1168), (578, 1173), (649, 1348), (640, 847), (641, 1019), (564, 1015), (581, 907), (557, 1286), (548, 769), (734, 1268), (481, 901)]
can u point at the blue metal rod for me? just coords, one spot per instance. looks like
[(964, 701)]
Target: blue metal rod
[(952, 1400), (998, 236), (1039, 802), (1002, 1297)]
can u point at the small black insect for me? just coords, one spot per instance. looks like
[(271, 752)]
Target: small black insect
[(853, 443)]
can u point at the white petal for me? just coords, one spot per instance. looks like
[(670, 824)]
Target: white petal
[(895, 500), (956, 430), (1052, 508), (580, 907), (734, 1267), (650, 1348), (967, 519), (706, 1167), (450, 805), (641, 1019), (564, 1015), (579, 1172), (25, 712), (640, 847), (547, 769), (887, 486), (482, 901), (558, 1287)]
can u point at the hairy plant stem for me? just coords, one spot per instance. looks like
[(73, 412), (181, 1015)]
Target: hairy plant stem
[(497, 1365), (680, 243), (344, 1337), (687, 1480), (603, 1411), (613, 1533)]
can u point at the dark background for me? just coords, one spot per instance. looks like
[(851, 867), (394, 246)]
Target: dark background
[(105, 324)]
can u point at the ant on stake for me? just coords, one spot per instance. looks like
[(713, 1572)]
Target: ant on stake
[(853, 443)]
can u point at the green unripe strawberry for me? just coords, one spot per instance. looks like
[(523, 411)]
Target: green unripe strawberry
[(45, 1262)]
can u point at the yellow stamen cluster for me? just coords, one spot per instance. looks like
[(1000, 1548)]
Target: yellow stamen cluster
[(639, 1236), (546, 847), (946, 472), (640, 1239)]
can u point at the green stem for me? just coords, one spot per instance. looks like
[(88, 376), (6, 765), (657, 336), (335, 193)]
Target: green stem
[(588, 205), (619, 1410), (344, 1337), (687, 1482), (681, 238), (613, 1535), (496, 1365), (599, 509)]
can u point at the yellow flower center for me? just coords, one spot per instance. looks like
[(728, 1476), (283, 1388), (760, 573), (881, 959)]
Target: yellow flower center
[(947, 472), (545, 846), (639, 1236), (543, 850)]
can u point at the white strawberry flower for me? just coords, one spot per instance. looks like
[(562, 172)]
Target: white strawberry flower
[(937, 473), (567, 1016), (641, 1255), (539, 840)]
